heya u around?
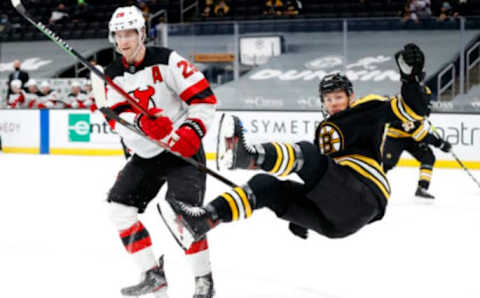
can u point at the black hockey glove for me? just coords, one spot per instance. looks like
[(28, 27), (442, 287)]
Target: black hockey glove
[(410, 62), (298, 230), (445, 146)]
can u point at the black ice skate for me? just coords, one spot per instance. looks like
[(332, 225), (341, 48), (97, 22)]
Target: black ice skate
[(153, 281), (186, 223), (204, 286), (232, 149), (423, 193)]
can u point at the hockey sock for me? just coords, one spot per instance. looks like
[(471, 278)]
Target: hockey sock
[(280, 159), (234, 204), (138, 244), (198, 256), (425, 176)]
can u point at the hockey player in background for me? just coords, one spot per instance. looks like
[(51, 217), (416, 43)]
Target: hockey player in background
[(415, 138), (344, 186), (77, 98), (49, 98), (32, 94), (180, 99), (16, 99)]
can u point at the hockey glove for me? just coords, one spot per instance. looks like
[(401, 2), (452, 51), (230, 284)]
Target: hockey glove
[(410, 62), (187, 138), (158, 128), (298, 231), (445, 146)]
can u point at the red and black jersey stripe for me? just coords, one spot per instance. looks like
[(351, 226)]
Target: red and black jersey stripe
[(199, 93)]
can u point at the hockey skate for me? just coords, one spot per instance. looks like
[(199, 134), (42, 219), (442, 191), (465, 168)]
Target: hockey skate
[(232, 149), (423, 193), (153, 281), (186, 223), (204, 286)]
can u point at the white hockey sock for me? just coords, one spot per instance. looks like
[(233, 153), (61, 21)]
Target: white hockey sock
[(198, 256)]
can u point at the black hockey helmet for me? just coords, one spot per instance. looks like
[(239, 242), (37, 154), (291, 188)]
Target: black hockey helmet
[(333, 82)]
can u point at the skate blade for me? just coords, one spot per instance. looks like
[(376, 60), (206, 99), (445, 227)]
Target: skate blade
[(162, 293), (179, 231), (226, 127)]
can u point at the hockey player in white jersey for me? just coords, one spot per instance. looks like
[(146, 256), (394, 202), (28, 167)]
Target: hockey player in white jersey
[(171, 89), (49, 98), (33, 93), (77, 99), (16, 99)]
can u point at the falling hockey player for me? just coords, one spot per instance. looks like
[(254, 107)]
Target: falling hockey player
[(180, 99), (344, 187)]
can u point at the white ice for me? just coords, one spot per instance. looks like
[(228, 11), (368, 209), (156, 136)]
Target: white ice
[(56, 241)]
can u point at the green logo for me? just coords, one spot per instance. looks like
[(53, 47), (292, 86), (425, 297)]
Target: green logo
[(79, 127)]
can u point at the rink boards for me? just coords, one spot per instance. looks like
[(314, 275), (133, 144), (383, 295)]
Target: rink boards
[(84, 133)]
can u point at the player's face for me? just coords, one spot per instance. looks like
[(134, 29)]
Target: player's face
[(33, 89), (127, 41), (75, 90), (336, 101)]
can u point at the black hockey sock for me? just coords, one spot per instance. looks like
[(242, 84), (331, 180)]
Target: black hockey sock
[(279, 159), (234, 204), (425, 176)]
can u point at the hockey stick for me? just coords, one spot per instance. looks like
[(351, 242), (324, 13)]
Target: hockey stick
[(105, 110), (69, 50), (437, 134)]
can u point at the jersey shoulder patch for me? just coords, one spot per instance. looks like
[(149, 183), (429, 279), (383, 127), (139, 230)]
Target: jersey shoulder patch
[(369, 98)]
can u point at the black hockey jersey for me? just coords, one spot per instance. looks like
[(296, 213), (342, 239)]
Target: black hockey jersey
[(354, 137)]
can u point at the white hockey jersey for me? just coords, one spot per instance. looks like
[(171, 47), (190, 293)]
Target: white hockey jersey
[(78, 101), (32, 99), (50, 101), (17, 100), (164, 80)]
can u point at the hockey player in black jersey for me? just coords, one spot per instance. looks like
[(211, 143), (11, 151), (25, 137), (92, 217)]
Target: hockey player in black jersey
[(344, 186), (182, 104), (415, 138)]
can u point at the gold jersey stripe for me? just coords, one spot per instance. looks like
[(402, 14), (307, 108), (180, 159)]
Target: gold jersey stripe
[(368, 98), (397, 133), (246, 203), (367, 160), (420, 133), (410, 112), (233, 205), (396, 111), (367, 175), (279, 158)]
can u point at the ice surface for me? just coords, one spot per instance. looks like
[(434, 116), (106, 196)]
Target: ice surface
[(56, 241)]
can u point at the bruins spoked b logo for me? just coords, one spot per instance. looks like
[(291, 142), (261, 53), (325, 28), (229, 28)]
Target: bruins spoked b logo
[(330, 138)]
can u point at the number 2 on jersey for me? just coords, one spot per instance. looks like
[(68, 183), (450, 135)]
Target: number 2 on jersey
[(187, 68)]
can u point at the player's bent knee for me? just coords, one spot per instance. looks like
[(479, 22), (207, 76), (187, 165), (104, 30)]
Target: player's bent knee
[(122, 216)]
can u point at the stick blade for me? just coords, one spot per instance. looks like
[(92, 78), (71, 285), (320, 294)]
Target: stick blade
[(180, 233), (98, 88)]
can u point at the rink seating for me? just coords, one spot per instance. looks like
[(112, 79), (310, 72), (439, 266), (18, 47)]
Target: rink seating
[(96, 26)]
